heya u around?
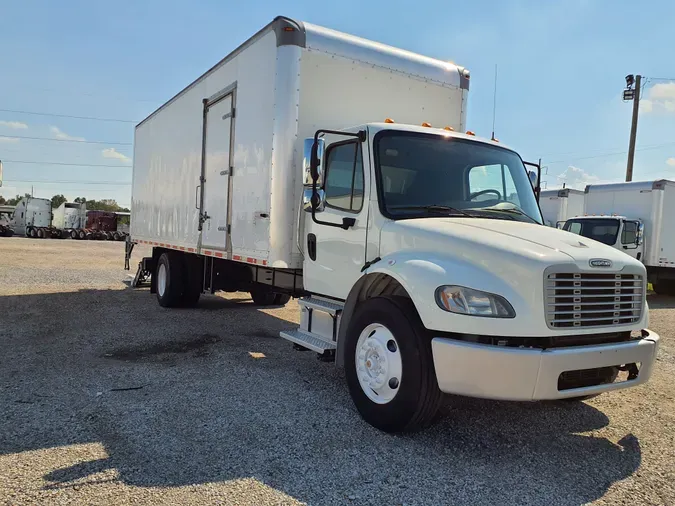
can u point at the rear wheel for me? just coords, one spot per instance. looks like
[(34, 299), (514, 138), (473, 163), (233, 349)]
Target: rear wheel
[(31, 233), (169, 280), (664, 287), (389, 366), (73, 234), (192, 280), (263, 297), (40, 233)]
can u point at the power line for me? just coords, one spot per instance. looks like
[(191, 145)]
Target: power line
[(610, 154), (71, 164), (652, 146), (661, 78), (109, 183), (92, 118), (83, 141)]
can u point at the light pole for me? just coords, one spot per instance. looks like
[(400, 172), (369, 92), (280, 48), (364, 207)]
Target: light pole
[(632, 93)]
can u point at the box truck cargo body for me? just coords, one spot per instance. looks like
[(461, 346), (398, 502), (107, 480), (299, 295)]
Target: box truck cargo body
[(314, 164), (240, 127), (636, 218), (557, 206)]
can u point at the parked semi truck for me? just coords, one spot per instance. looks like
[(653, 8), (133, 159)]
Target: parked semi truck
[(6, 228), (33, 217), (557, 206), (637, 219), (314, 164), (102, 225), (69, 220)]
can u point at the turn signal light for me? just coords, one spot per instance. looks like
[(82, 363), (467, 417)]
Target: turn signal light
[(449, 129), (469, 132), (389, 120), (425, 124)]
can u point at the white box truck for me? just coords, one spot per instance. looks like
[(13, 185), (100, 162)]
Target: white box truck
[(304, 164), (69, 220), (33, 217), (636, 218), (557, 206)]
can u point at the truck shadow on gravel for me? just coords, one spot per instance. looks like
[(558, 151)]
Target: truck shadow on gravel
[(178, 398)]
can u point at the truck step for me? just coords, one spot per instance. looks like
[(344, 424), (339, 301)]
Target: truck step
[(330, 307), (308, 340)]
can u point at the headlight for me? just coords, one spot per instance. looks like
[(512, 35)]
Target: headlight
[(458, 299)]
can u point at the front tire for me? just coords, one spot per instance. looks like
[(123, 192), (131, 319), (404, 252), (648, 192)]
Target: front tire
[(169, 280), (389, 366)]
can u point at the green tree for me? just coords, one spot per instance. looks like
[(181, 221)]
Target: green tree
[(2, 201), (80, 200), (57, 200)]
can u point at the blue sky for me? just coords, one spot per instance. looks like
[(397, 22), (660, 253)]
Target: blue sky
[(561, 73)]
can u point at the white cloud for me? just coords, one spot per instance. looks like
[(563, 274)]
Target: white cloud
[(660, 97), (575, 177), (671, 161), (8, 140), (60, 134), (113, 153), (15, 125)]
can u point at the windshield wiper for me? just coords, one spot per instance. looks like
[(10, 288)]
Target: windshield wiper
[(437, 209), (513, 210)]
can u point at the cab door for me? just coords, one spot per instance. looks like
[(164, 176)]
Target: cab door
[(335, 247), (631, 238)]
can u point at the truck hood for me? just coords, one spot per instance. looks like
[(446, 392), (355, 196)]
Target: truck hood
[(481, 240)]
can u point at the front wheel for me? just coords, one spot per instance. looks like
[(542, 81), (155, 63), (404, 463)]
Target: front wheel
[(389, 366)]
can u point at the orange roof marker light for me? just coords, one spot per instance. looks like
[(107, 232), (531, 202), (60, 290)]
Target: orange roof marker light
[(425, 124), (389, 120), (469, 132), (449, 129)]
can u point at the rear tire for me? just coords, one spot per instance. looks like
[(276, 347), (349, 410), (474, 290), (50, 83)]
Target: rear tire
[(388, 333), (664, 287), (40, 233), (31, 233), (263, 297), (193, 272), (169, 279), (73, 234)]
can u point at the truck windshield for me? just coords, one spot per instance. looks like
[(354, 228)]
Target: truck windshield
[(423, 175), (603, 230)]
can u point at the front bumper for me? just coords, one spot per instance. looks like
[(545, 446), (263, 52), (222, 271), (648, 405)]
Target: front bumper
[(526, 374)]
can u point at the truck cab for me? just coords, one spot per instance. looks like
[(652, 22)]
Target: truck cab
[(619, 232), (423, 242)]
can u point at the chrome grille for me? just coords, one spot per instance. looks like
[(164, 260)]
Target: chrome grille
[(592, 299)]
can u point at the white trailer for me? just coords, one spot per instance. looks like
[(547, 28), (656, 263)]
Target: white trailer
[(32, 217), (417, 253), (636, 218), (557, 206), (69, 219)]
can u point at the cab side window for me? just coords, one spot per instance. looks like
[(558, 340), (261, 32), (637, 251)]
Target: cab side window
[(344, 177), (629, 233)]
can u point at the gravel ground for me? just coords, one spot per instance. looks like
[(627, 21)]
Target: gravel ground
[(107, 398)]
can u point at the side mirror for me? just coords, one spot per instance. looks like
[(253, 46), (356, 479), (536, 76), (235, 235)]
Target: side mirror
[(313, 156), (533, 178)]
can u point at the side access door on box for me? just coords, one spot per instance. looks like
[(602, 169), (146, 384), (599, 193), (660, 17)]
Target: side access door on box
[(216, 178)]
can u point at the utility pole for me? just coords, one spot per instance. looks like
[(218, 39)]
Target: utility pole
[(632, 94)]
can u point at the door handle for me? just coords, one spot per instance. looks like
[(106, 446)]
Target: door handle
[(197, 196)]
